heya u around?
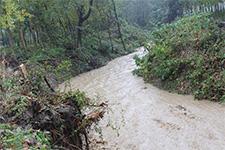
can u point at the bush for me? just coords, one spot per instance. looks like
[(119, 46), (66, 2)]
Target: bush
[(13, 137), (187, 56), (32, 109)]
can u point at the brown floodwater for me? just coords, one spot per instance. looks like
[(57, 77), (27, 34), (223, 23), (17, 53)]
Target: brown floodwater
[(143, 117)]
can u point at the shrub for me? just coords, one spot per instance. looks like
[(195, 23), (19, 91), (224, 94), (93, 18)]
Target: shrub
[(12, 137), (189, 55)]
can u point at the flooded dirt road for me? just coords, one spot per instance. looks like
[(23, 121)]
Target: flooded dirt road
[(147, 118)]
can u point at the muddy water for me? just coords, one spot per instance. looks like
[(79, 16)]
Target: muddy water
[(143, 117)]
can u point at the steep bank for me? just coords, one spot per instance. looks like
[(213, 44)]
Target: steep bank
[(187, 56)]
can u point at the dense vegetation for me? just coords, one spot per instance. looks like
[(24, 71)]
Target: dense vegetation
[(188, 56), (84, 33), (32, 116), (45, 42), (150, 14), (17, 138)]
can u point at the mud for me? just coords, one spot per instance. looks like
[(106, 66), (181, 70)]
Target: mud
[(143, 117)]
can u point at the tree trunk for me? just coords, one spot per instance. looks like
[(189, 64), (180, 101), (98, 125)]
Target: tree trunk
[(22, 40), (110, 39), (33, 33), (79, 33), (82, 18), (10, 36), (3, 38), (118, 25), (39, 38)]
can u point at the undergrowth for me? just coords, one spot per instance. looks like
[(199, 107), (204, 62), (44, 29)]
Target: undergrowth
[(14, 137), (34, 116), (187, 56)]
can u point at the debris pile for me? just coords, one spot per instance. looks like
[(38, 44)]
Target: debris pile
[(29, 102)]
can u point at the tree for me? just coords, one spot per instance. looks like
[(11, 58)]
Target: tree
[(63, 23), (118, 24), (11, 14), (82, 17), (175, 9)]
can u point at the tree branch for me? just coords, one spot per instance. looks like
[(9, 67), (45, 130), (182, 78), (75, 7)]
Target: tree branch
[(89, 10)]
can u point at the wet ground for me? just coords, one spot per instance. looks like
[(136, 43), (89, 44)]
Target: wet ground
[(143, 117)]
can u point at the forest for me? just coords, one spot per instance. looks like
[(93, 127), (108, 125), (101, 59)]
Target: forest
[(107, 47)]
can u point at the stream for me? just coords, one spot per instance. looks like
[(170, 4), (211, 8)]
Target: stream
[(143, 117)]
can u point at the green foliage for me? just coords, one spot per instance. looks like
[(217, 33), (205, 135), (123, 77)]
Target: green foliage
[(181, 34), (41, 55), (78, 97), (11, 14), (12, 137), (187, 56), (63, 69), (20, 105), (134, 36), (150, 14), (45, 33), (146, 14), (13, 100)]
